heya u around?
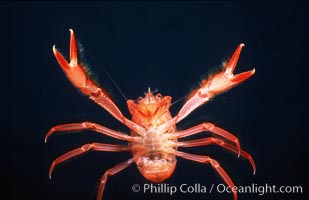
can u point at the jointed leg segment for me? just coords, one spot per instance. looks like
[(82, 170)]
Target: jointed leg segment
[(211, 140), (111, 172), (212, 128), (85, 148), (214, 164), (88, 126)]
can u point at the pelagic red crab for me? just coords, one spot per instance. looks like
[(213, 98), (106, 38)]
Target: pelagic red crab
[(154, 138)]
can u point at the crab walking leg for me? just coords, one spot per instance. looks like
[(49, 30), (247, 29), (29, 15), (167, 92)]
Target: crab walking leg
[(216, 84), (78, 76), (88, 126), (85, 148), (110, 172), (212, 140), (214, 164), (212, 128)]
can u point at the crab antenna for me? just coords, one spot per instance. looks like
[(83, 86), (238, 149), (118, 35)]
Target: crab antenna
[(178, 100), (108, 74)]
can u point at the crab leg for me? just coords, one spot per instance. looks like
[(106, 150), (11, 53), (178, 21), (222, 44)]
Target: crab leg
[(88, 126), (78, 76), (216, 84), (212, 140), (110, 172), (85, 148), (214, 164), (212, 128)]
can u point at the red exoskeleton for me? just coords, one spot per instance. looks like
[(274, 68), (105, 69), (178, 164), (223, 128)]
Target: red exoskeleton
[(154, 138)]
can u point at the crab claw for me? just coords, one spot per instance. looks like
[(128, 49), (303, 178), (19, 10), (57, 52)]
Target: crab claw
[(226, 79), (216, 84), (74, 71)]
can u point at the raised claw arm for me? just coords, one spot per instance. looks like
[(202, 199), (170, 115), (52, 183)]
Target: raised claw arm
[(80, 79), (216, 84)]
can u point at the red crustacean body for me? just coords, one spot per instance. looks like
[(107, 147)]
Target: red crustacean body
[(153, 152), (154, 138)]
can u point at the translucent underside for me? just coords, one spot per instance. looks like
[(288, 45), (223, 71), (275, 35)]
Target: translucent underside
[(153, 151)]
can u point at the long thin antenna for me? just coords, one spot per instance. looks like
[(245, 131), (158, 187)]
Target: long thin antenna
[(180, 99), (108, 74)]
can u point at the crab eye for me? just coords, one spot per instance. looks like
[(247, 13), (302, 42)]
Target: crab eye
[(139, 99), (158, 95)]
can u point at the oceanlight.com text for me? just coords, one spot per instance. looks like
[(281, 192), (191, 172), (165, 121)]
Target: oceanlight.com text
[(165, 188), (261, 189)]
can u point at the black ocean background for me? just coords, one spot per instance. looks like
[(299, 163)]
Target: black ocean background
[(169, 46)]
